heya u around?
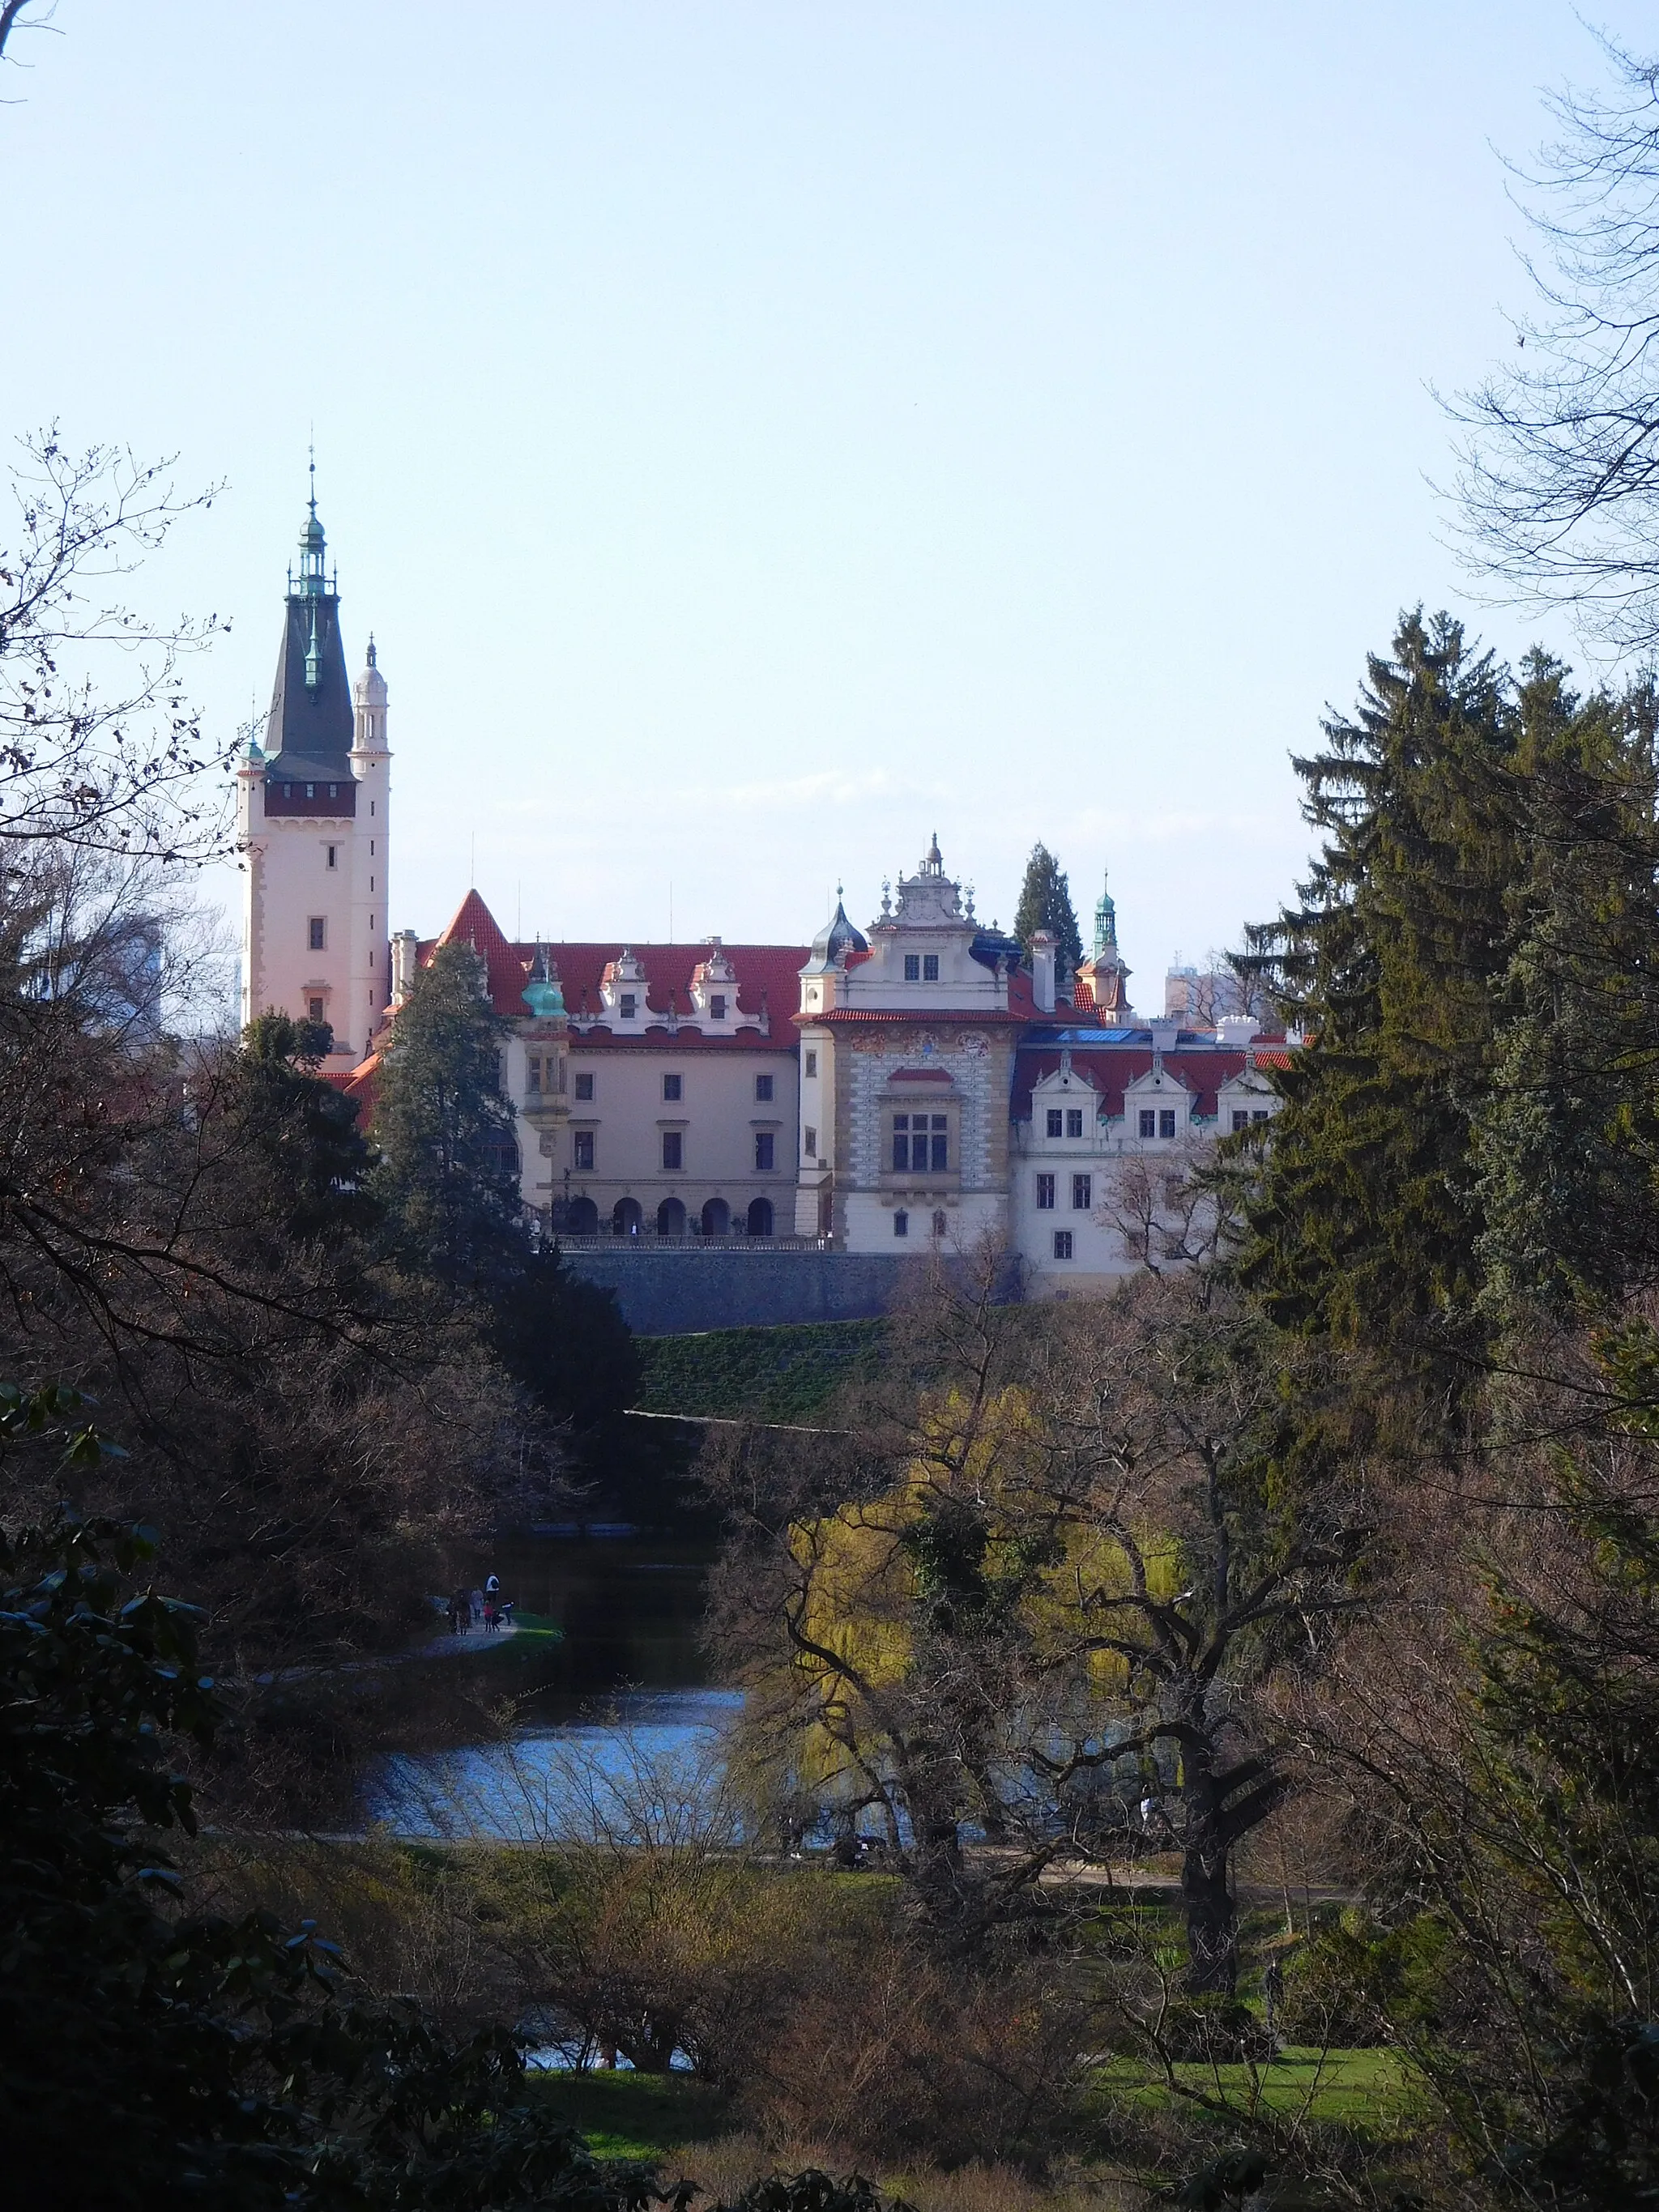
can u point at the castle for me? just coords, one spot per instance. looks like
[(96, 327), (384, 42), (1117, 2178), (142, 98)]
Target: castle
[(876, 1092)]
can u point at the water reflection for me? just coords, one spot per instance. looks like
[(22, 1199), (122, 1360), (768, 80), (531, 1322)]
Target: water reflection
[(649, 1767)]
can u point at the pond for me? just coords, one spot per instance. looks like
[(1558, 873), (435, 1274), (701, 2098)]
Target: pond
[(623, 1724)]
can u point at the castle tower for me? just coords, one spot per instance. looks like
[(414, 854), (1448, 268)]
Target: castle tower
[(312, 819)]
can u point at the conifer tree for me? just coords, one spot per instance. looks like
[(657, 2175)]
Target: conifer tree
[(1045, 903), (1364, 1223), (444, 1129)]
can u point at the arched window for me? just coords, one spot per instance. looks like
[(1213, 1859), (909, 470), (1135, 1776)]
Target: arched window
[(626, 1217), (670, 1219), (760, 1216), (716, 1218)]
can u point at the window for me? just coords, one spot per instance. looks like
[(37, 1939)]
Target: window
[(626, 1004), (670, 1087), (1062, 1243), (764, 1088), (1260, 1114), (318, 928), (1045, 1194), (334, 791), (1074, 1120), (673, 1145), (765, 1144), (1148, 1122), (584, 1148), (912, 972), (311, 791), (717, 1006), (930, 967), (333, 852), (1241, 1121), (1166, 1120), (900, 1222), (584, 1086), (916, 1148), (810, 1142), (811, 1063), (533, 1074), (1083, 1193), (314, 1010), (1056, 1121), (940, 1225)]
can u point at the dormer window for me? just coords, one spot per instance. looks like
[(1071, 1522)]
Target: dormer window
[(913, 968), (1055, 1121), (626, 1004), (717, 1006), (930, 967)]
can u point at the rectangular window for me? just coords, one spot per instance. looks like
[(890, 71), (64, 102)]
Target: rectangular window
[(333, 852), (314, 1007), (1083, 1193), (672, 1151), (930, 967), (1166, 1120), (534, 1076), (901, 1143), (584, 1150), (941, 1151), (764, 1088), (900, 1222), (1045, 1194), (1259, 1114), (1074, 1120), (913, 968), (670, 1087), (765, 1143), (1056, 1121), (811, 1063), (810, 1142), (1062, 1243), (311, 791), (334, 791), (318, 928), (626, 1002), (1241, 1121), (584, 1086), (717, 1006), (1148, 1122)]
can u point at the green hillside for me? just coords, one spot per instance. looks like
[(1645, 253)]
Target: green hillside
[(785, 1374)]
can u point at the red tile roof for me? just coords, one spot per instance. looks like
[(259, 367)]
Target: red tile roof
[(1109, 1068), (767, 977)]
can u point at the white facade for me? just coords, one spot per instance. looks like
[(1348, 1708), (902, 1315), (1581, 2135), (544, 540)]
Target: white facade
[(314, 828)]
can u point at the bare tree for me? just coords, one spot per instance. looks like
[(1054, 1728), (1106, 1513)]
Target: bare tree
[(119, 766), (1559, 471), (1169, 1207)]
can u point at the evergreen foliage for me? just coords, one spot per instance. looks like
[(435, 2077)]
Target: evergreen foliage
[(299, 1133), (444, 1128), (1045, 903), (1364, 1225)]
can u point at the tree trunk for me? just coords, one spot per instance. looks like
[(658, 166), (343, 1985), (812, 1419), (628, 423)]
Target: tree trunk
[(1206, 1895)]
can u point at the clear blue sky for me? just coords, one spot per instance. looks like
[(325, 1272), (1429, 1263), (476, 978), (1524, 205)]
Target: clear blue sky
[(760, 435)]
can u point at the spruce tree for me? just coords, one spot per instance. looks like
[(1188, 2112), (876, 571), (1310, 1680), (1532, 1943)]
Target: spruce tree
[(1365, 1223), (444, 1129), (1045, 903)]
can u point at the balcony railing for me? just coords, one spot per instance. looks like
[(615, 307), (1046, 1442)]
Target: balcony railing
[(640, 1240)]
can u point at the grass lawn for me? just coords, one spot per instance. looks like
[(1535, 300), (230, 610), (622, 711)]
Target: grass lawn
[(786, 1373), (626, 2115), (1365, 2091)]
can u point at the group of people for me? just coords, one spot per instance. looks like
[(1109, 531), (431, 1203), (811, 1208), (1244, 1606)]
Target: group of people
[(485, 1609)]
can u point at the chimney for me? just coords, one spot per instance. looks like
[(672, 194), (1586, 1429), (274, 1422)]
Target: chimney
[(403, 965), (1236, 1029), (1044, 945)]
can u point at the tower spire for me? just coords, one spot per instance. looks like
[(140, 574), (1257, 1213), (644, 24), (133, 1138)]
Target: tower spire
[(1105, 920)]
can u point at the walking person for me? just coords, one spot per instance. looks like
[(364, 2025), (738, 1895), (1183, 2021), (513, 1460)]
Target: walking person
[(475, 1606)]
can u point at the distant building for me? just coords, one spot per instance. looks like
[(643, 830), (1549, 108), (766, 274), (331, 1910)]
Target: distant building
[(906, 1087)]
